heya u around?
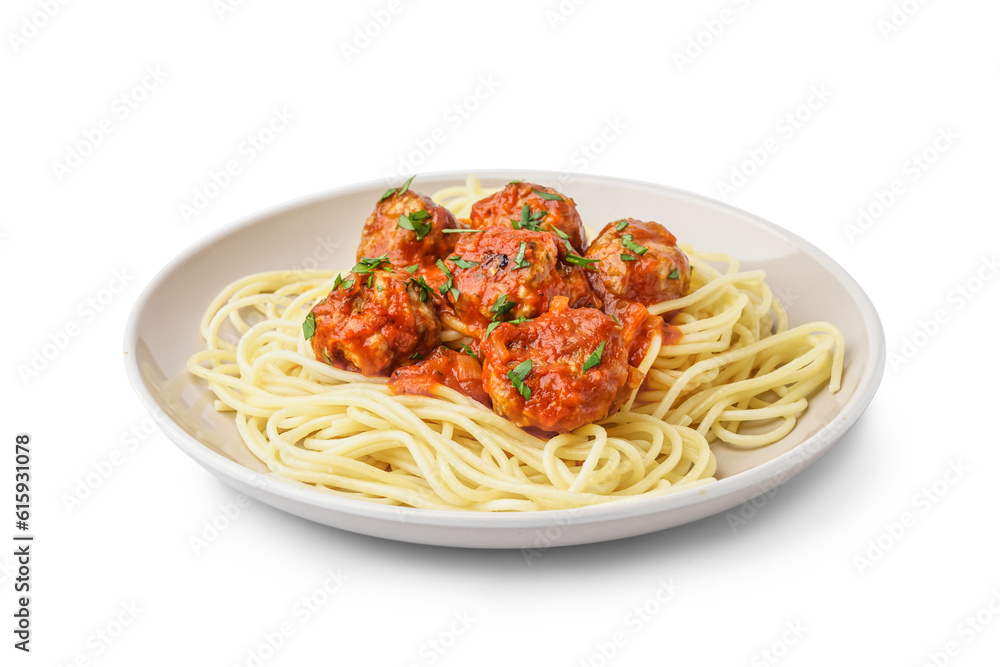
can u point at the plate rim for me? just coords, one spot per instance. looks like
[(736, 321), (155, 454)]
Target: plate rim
[(792, 461)]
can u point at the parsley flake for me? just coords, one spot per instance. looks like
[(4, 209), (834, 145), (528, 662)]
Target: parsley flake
[(622, 224), (517, 378), (413, 223), (579, 260), (628, 258), (309, 325), (594, 358), (519, 261), (406, 186), (547, 195), (529, 220), (463, 263), (396, 191), (674, 275), (369, 264), (420, 283), (633, 246), (501, 306), (449, 285)]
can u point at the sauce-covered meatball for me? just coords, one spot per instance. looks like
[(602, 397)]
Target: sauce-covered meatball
[(638, 327), (547, 210), (640, 261), (373, 322), (458, 370), (504, 274), (567, 368), (577, 286), (408, 227)]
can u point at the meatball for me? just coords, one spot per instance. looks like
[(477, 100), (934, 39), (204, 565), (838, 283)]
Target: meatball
[(458, 370), (577, 286), (567, 368), (547, 210), (409, 228), (373, 322), (503, 274), (639, 261), (638, 327)]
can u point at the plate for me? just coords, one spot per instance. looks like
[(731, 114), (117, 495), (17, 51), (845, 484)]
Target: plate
[(322, 232)]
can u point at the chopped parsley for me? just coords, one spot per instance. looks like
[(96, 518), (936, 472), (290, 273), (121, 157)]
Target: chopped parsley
[(397, 191), (517, 378), (468, 351), (425, 289), (463, 263), (622, 224), (579, 260), (449, 285), (369, 264), (501, 306), (416, 355), (594, 358), (633, 246), (574, 258), (411, 268), (327, 357), (615, 319), (309, 325), (414, 223), (406, 186), (674, 275), (547, 195), (519, 261), (561, 234), (628, 258), (529, 220)]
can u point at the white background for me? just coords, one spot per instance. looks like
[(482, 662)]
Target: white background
[(881, 553)]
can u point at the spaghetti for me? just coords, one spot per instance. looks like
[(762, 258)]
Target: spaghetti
[(737, 374)]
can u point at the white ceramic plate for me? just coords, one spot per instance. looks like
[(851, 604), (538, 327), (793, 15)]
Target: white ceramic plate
[(323, 232)]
